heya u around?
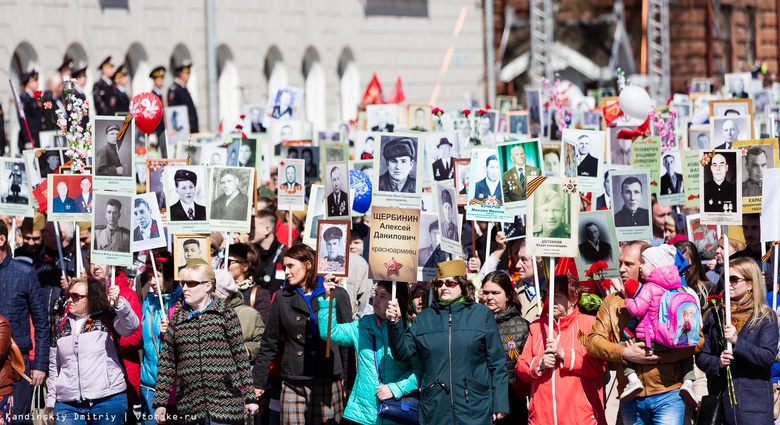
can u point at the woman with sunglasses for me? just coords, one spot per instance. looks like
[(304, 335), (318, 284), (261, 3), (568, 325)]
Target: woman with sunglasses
[(85, 372), (311, 382), (464, 377), (242, 262), (753, 336), (203, 353), (563, 362)]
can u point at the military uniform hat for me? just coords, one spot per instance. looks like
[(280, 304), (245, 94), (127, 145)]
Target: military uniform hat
[(112, 127), (107, 63), (185, 175), (185, 67), (157, 72), (31, 75), (121, 71), (67, 63), (80, 72), (398, 148), (452, 268), (333, 233)]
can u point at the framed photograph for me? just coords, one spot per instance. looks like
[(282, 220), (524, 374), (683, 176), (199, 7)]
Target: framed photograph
[(520, 163), (701, 85), (52, 139), (189, 246), (738, 84), (515, 229), (535, 115), (461, 179), (247, 153), (485, 195), (178, 121), (186, 193), (598, 242), (588, 149), (390, 225), (724, 131), (365, 145), (214, 153), (732, 107), (506, 104), (286, 130), (631, 204), (232, 152), (255, 114), (430, 239), (448, 219), (699, 137), (442, 148), (619, 148), (333, 247), (148, 227), (672, 190), (315, 213), (419, 117), (311, 157), (113, 158), (756, 157), (461, 126), (487, 127), (283, 103), (382, 118), (333, 152), (553, 216), (761, 101), (291, 192), (329, 136), (720, 201), (15, 188), (604, 198), (69, 197), (231, 199), (517, 123), (337, 189), (111, 225), (551, 159), (704, 236), (155, 170), (42, 162), (396, 171)]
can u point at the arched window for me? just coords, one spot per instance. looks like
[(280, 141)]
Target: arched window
[(275, 72), (229, 87), (23, 60), (138, 66), (314, 89), (179, 56), (349, 85)]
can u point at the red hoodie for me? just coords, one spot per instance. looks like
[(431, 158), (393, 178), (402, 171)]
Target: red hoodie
[(129, 346)]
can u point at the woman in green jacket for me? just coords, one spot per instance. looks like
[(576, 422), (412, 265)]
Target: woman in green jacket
[(464, 378), (368, 336)]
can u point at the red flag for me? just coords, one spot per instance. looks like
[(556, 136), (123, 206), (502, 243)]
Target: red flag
[(612, 112), (373, 95), (397, 96), (566, 266)]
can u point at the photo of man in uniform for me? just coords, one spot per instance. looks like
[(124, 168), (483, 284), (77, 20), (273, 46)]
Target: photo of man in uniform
[(720, 195), (49, 163), (593, 249), (449, 229), (111, 236), (755, 164), (337, 199), (190, 249), (290, 186), (186, 208), (550, 212), (399, 155), (335, 252), (424, 254), (631, 215), (107, 160), (587, 165), (418, 118), (442, 167), (516, 178), (147, 226), (671, 181), (381, 121), (231, 204), (62, 202), (84, 200), (490, 185)]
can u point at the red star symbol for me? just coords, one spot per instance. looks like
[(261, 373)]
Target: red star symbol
[(393, 267)]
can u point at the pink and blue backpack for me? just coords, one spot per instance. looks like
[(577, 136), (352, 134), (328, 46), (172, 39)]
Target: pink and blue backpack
[(679, 320)]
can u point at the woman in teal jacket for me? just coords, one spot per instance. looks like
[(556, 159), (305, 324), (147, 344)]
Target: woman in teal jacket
[(367, 335)]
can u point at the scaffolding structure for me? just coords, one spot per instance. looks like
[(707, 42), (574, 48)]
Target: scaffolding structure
[(658, 66), (541, 15)]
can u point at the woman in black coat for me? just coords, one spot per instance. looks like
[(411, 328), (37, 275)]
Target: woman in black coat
[(753, 334), (311, 383)]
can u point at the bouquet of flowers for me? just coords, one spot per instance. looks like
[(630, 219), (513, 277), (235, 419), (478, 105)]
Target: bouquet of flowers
[(717, 302), (558, 101), (69, 121)]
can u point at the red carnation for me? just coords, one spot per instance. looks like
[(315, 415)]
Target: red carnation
[(242, 116), (487, 106), (37, 94), (466, 112), (140, 150), (606, 284), (482, 112), (437, 111), (239, 127), (161, 260)]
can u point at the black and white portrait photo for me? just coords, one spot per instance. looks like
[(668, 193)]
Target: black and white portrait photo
[(247, 153), (419, 118), (448, 219), (756, 159), (588, 150), (178, 121), (286, 130), (381, 118), (699, 137), (255, 114), (332, 246), (283, 103), (49, 162), (112, 223), (337, 189), (430, 242), (595, 243), (15, 190), (738, 84), (506, 104), (720, 189), (442, 148), (311, 157), (487, 127), (729, 129), (632, 205), (155, 175), (113, 160), (517, 122), (186, 192), (671, 173), (534, 112), (365, 145), (148, 230), (187, 247), (398, 164), (231, 195)]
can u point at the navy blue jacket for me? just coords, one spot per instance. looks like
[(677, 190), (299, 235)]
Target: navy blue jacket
[(754, 354), (20, 298)]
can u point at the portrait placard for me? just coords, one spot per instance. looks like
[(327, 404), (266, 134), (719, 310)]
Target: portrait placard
[(517, 123), (704, 236), (487, 127), (691, 177), (731, 107), (448, 219), (646, 155), (187, 247), (429, 241), (42, 162), (111, 225), (672, 190), (598, 242), (69, 197), (396, 169), (178, 121), (231, 199), (113, 159), (726, 130), (605, 195), (720, 201), (394, 242), (333, 152), (770, 195), (309, 154), (333, 247), (337, 189), (631, 204), (485, 195), (315, 213), (186, 193), (588, 149), (382, 118), (699, 137), (461, 179), (506, 103), (148, 229), (286, 130), (535, 116), (619, 148), (756, 157), (365, 145), (290, 194), (419, 117), (155, 172), (15, 188), (551, 159), (214, 153), (552, 218), (442, 149), (738, 84), (254, 118), (520, 163), (283, 103)]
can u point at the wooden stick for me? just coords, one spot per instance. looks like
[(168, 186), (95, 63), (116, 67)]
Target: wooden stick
[(289, 226), (330, 322), (550, 299), (159, 283), (536, 286), (726, 281), (474, 238)]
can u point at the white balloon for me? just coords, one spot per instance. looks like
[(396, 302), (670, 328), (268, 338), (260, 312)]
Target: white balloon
[(635, 102)]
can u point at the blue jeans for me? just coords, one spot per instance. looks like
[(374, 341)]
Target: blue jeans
[(661, 409), (103, 411), (147, 411)]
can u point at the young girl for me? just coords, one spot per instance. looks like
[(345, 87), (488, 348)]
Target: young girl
[(660, 274)]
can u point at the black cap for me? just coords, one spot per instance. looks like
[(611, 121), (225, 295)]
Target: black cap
[(112, 127), (157, 72), (446, 198), (31, 75), (185, 175), (121, 71), (185, 67), (333, 233), (79, 72), (398, 148), (67, 64), (444, 141), (106, 63)]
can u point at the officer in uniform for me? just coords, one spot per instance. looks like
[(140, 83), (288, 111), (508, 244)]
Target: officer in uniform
[(337, 200), (52, 102), (158, 78), (442, 167), (80, 75), (107, 160), (105, 102), (720, 195), (120, 80), (516, 178), (332, 261), (111, 236), (448, 228), (179, 95), (33, 111), (399, 155), (66, 69), (550, 212)]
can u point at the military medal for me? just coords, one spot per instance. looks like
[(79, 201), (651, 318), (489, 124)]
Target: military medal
[(511, 348)]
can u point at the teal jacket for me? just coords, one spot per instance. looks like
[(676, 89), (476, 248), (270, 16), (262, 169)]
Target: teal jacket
[(152, 316), (400, 376), (464, 378)]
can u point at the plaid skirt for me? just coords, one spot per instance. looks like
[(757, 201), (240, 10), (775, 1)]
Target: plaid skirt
[(314, 401)]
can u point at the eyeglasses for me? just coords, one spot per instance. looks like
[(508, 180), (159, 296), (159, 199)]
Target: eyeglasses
[(735, 279), (32, 238), (447, 283), (76, 297), (84, 239), (232, 261), (193, 283)]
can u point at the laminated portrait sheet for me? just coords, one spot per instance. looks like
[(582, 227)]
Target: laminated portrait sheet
[(721, 196), (553, 212)]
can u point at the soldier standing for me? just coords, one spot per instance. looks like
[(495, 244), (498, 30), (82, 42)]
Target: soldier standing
[(179, 95), (32, 111), (120, 80), (105, 102), (158, 78)]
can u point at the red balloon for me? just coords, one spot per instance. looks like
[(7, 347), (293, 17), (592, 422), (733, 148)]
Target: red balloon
[(147, 110)]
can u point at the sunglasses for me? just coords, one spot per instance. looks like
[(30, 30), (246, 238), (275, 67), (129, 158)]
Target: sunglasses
[(735, 279), (76, 297), (32, 238), (447, 283), (193, 283)]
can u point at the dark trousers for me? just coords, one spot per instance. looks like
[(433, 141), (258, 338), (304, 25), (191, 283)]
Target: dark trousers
[(23, 396)]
